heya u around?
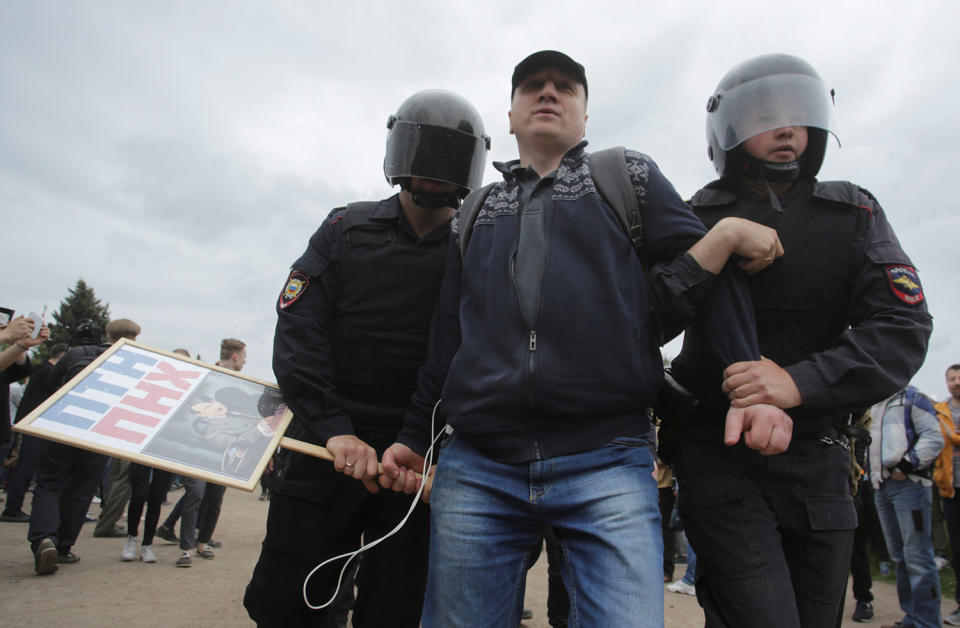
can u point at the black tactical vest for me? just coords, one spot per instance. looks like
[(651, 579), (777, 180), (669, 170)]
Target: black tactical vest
[(801, 301), (388, 283)]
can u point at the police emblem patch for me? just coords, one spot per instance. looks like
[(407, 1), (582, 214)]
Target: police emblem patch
[(296, 285), (905, 283)]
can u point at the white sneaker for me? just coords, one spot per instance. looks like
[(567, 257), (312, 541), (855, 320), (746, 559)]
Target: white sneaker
[(953, 619), (129, 549), (682, 587), (147, 555), (184, 560), (940, 562)]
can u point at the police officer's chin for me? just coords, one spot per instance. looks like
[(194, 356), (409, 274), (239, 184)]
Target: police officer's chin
[(430, 195), (429, 200)]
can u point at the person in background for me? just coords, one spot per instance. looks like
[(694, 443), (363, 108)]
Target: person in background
[(18, 337), (947, 474), (233, 356), (147, 485), (67, 476), (667, 500), (905, 442), (38, 390), (199, 507)]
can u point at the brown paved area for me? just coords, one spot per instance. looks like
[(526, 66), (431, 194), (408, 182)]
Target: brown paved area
[(101, 590)]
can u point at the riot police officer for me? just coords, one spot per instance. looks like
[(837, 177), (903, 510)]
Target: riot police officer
[(352, 328), (842, 323)]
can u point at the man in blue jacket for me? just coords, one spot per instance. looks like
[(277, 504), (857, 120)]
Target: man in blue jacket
[(545, 346)]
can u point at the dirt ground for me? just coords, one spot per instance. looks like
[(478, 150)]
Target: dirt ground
[(102, 590)]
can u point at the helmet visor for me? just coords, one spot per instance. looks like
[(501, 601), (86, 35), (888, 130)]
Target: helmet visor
[(434, 152), (770, 102)]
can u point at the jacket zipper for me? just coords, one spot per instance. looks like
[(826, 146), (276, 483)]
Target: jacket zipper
[(531, 366), (533, 352)]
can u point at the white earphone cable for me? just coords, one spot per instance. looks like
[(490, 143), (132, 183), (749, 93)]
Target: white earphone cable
[(351, 555)]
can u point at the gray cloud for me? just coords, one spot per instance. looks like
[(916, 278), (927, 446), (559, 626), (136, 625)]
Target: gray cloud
[(179, 155)]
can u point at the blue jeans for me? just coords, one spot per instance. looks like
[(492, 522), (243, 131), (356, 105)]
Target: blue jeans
[(689, 576), (904, 510), (487, 521)]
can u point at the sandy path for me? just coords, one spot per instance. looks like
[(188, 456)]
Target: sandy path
[(102, 590)]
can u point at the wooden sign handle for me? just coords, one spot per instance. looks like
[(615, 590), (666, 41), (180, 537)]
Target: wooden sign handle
[(314, 450)]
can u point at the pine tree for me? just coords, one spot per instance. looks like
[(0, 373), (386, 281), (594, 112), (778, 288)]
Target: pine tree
[(81, 304)]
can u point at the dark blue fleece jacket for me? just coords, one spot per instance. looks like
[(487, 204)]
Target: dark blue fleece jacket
[(588, 368)]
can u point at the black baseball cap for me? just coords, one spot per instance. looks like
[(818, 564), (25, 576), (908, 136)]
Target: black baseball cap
[(548, 59)]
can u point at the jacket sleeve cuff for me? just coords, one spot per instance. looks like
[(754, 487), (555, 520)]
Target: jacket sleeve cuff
[(684, 276), (328, 427), (811, 386), (680, 286), (414, 439)]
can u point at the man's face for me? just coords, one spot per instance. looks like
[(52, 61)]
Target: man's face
[(209, 409), (549, 106), (953, 384), (783, 145)]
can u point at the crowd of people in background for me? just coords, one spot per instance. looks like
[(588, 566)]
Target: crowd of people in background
[(67, 479)]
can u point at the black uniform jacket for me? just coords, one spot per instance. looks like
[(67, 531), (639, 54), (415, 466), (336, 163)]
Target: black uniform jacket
[(353, 320), (842, 311)]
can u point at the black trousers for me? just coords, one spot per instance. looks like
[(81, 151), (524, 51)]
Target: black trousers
[(302, 533), (66, 480), (773, 534), (667, 501), (149, 490), (868, 532), (951, 514), (31, 450), (209, 512)]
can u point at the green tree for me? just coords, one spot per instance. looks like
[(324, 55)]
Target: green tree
[(81, 304)]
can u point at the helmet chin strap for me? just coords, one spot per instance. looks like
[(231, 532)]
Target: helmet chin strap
[(429, 200), (433, 200), (767, 171), (776, 171)]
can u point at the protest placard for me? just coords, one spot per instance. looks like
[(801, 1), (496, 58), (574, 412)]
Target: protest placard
[(166, 411)]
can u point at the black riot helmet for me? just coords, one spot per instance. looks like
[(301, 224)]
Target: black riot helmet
[(436, 135), (763, 93)]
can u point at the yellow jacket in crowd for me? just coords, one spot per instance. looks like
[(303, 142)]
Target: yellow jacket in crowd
[(943, 470)]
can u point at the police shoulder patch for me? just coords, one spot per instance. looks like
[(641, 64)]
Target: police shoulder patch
[(296, 285), (905, 283)]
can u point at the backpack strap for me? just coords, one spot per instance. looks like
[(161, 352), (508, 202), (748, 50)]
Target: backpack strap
[(608, 168), (469, 210), (910, 400)]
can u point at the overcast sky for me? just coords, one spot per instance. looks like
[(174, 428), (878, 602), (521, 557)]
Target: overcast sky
[(178, 155)]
